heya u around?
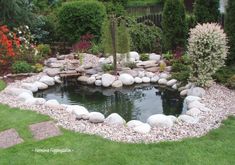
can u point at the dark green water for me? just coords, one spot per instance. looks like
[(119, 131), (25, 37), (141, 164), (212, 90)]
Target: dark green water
[(135, 102)]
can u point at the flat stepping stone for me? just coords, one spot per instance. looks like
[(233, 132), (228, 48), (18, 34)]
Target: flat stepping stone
[(9, 138), (44, 130)]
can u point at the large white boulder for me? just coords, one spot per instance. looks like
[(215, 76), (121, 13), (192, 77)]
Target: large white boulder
[(188, 119), (35, 101), (126, 79), (193, 112), (143, 128), (135, 56), (154, 79), (195, 104), (149, 74), (107, 79), (40, 85), (154, 56), (133, 123), (80, 111), (114, 119), (52, 103), (190, 99), (117, 84), (164, 75), (24, 96), (98, 82), (16, 91), (141, 74), (146, 80), (47, 80), (30, 87), (171, 82), (91, 80), (96, 117), (160, 120), (138, 80), (83, 79), (196, 91), (162, 81)]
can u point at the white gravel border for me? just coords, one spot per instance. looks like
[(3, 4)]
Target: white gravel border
[(218, 98)]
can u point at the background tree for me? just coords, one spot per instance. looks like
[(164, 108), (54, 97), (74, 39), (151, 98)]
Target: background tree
[(230, 29), (206, 11), (174, 24), (123, 40)]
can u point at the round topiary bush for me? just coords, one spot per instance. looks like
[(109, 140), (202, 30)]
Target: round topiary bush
[(81, 17), (208, 50)]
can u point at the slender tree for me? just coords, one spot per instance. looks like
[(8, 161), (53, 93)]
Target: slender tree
[(206, 11), (174, 24), (230, 29)]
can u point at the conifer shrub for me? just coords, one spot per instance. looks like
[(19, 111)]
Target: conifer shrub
[(206, 11), (208, 50), (174, 25), (230, 29)]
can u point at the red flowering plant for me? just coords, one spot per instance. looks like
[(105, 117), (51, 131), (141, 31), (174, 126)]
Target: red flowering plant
[(83, 46), (9, 45)]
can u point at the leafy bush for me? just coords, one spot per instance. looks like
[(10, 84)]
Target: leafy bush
[(231, 82), (174, 24), (38, 68), (95, 49), (131, 65), (107, 67), (206, 11), (81, 17), (44, 50), (22, 67), (144, 57), (224, 73), (145, 38), (181, 76), (229, 29), (116, 2), (116, 9), (208, 50)]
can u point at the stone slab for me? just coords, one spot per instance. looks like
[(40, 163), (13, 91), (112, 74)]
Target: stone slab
[(44, 130), (9, 138)]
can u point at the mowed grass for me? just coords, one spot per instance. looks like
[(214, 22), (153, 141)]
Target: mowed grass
[(217, 147), (2, 85)]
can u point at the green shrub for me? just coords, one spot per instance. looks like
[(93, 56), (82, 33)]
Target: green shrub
[(80, 17), (22, 67), (224, 73), (96, 49), (174, 24), (116, 2), (131, 65), (181, 76), (190, 21), (116, 9), (38, 68), (229, 29), (206, 11), (44, 50), (231, 82), (168, 56), (107, 67), (145, 38), (123, 38), (144, 57), (208, 51)]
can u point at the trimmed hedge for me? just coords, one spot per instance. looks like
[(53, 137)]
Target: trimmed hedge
[(81, 17)]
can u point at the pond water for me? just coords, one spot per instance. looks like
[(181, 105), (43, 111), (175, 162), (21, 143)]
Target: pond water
[(133, 102)]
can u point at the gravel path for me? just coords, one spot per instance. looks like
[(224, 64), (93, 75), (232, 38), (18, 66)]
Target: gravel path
[(218, 98)]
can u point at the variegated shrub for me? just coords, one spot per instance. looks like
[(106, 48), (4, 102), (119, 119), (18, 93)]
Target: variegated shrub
[(208, 50)]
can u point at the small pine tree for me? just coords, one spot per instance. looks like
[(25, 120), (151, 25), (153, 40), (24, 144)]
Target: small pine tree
[(174, 24), (206, 11), (123, 39), (106, 37), (229, 29)]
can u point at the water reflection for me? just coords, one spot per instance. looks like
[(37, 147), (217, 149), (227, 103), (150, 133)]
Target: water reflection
[(135, 102)]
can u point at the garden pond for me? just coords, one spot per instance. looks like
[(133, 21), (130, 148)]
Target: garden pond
[(136, 102)]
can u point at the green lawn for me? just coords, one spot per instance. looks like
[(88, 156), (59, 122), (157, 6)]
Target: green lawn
[(218, 147), (2, 85)]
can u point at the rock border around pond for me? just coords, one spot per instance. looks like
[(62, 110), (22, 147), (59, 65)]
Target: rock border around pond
[(201, 116)]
